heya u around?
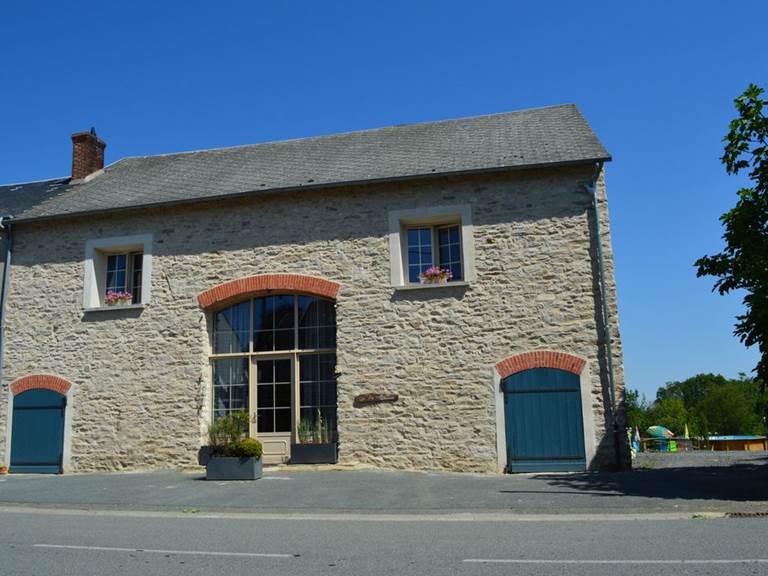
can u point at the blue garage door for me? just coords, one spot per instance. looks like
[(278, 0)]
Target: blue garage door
[(37, 441), (544, 426)]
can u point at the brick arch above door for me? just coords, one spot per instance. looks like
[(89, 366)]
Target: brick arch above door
[(540, 359), (45, 381), (250, 286)]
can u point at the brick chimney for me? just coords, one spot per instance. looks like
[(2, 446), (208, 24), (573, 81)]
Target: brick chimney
[(87, 154)]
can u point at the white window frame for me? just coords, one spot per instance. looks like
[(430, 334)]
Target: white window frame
[(96, 253), (434, 217)]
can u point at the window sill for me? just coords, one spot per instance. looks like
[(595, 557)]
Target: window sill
[(115, 308), (432, 286)]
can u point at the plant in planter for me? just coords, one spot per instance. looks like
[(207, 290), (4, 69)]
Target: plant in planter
[(435, 275), (317, 442), (113, 298), (232, 455)]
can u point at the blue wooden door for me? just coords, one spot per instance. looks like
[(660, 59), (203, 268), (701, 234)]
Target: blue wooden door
[(544, 426), (37, 440)]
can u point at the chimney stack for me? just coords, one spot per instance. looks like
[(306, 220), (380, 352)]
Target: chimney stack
[(87, 154)]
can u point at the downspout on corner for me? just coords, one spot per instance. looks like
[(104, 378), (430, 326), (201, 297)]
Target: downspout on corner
[(607, 332), (5, 230)]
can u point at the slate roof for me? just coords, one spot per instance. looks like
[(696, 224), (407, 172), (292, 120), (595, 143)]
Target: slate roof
[(543, 136)]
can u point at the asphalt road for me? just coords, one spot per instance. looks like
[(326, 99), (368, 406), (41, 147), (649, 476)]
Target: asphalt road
[(97, 543), (700, 482)]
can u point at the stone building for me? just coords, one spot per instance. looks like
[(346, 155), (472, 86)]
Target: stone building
[(429, 296)]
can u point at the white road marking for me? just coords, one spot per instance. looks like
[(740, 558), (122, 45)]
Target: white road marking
[(150, 551), (676, 561)]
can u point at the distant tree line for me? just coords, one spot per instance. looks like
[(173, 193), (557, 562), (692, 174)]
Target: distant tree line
[(709, 404)]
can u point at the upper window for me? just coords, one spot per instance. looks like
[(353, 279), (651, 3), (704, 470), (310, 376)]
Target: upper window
[(431, 246), (123, 282), (117, 271), (434, 247)]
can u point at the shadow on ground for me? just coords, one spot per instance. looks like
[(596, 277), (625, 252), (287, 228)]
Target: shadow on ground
[(745, 480)]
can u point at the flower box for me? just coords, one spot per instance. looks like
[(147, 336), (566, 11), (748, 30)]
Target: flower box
[(233, 468), (314, 453), (118, 298), (435, 275)]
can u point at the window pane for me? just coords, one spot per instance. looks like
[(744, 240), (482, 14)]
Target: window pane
[(317, 425), (283, 307), (283, 395), (307, 338), (307, 311), (283, 420), (327, 337), (449, 239), (265, 420), (273, 321), (327, 366), (231, 330), (230, 386), (265, 396), (265, 371), (283, 371), (263, 341), (419, 251), (284, 339)]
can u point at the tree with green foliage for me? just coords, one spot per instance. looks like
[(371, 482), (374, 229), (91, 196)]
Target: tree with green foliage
[(732, 408), (692, 390), (743, 264), (637, 410), (670, 413), (708, 404)]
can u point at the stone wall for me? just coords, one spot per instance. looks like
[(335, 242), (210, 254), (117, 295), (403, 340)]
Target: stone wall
[(141, 377)]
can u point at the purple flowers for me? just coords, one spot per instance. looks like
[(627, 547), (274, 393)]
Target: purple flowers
[(113, 298), (435, 275)]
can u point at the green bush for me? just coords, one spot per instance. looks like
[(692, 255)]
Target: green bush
[(245, 448), (228, 436)]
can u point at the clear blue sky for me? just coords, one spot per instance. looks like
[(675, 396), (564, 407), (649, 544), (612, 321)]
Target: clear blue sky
[(655, 79)]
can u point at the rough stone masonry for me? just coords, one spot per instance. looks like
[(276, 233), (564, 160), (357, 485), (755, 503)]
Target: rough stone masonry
[(141, 378)]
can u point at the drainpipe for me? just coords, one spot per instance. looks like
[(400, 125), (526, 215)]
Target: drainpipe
[(5, 227), (606, 314)]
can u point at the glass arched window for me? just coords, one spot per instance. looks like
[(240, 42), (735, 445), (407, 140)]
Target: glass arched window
[(275, 358)]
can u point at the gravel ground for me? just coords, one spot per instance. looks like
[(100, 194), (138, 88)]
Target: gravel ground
[(656, 460)]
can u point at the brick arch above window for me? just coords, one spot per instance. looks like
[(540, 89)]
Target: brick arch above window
[(540, 359), (249, 286), (46, 381)]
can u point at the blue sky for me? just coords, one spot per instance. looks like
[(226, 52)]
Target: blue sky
[(655, 79)]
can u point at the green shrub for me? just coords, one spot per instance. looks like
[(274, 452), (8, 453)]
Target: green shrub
[(244, 448), (227, 430)]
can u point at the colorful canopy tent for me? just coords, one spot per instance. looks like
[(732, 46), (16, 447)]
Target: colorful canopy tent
[(660, 432)]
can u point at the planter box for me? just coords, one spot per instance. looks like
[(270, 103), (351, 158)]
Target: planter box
[(225, 468), (314, 453)]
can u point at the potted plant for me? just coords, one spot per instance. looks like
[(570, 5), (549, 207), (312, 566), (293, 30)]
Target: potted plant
[(3, 469), (113, 298), (435, 275), (317, 442), (232, 455)]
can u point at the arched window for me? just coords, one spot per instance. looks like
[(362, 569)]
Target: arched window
[(275, 358)]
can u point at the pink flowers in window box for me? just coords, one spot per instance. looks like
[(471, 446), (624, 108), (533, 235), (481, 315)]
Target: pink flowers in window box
[(117, 298), (435, 275)]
